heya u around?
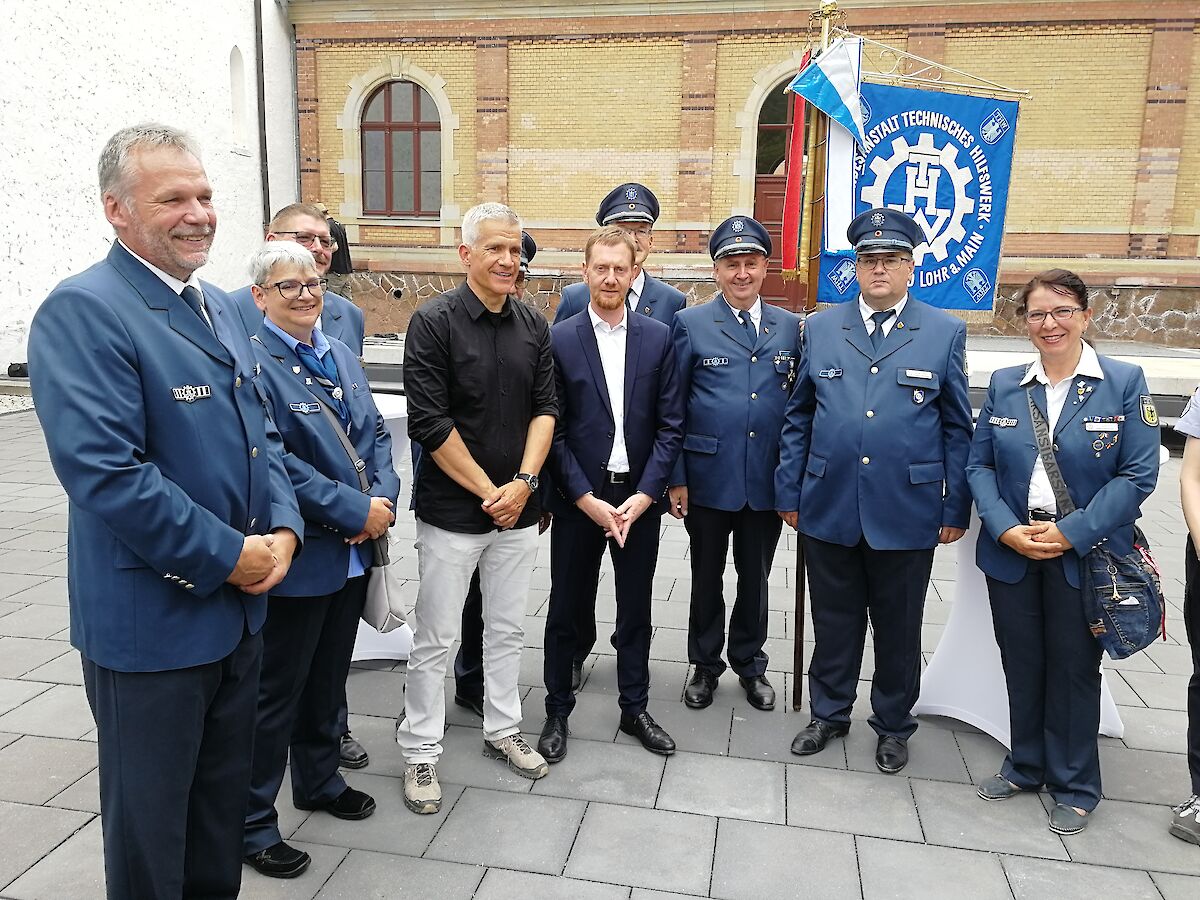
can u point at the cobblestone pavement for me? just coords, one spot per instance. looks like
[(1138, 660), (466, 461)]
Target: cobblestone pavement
[(733, 814)]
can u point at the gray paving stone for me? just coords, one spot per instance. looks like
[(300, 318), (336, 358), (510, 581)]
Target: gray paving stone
[(1034, 879), (34, 769), (375, 693), (35, 621), (61, 712), (952, 815), (325, 861), (1143, 776), (83, 795), (596, 716), (392, 829), (75, 869), (1133, 836), (28, 562), (7, 606), (36, 540), (6, 739), (1152, 729), (667, 679), (463, 763), (649, 848), (755, 861), (1172, 659), (1122, 693), (720, 786), (64, 669), (27, 833), (605, 772), (769, 736), (14, 692), (933, 753), (880, 805), (501, 884), (1156, 691), (47, 591), (495, 829), (643, 894), (1176, 887), (694, 730), (669, 644), (383, 876), (982, 753), (901, 871)]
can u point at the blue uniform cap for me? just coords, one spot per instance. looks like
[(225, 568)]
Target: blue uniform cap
[(528, 250), (739, 234), (879, 230), (631, 202)]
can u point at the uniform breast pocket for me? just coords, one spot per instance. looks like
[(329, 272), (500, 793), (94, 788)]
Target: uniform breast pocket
[(921, 385), (785, 364)]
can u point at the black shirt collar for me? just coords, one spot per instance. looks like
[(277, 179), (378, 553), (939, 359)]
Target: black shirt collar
[(475, 307)]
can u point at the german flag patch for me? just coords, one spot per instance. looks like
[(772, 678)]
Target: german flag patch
[(1149, 413)]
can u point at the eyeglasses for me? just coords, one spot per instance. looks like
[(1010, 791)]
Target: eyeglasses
[(307, 240), (890, 263), (291, 290), (636, 231), (1061, 314)]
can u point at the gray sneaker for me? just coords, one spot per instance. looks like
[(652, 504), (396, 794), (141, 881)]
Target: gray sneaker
[(521, 758), (1186, 824), (422, 793)]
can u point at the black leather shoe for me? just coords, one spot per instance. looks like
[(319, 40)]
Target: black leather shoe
[(352, 754), (815, 735), (279, 861), (474, 704), (759, 692), (350, 805), (576, 677), (891, 754), (553, 742), (652, 735), (699, 692)]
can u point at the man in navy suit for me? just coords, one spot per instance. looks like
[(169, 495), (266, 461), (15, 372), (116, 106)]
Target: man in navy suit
[(634, 209), (737, 358), (182, 518), (872, 470), (616, 439), (341, 319)]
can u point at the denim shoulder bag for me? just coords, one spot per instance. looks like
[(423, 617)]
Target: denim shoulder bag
[(1122, 595)]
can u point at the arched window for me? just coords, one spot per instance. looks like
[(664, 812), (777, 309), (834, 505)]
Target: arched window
[(401, 152), (774, 126)]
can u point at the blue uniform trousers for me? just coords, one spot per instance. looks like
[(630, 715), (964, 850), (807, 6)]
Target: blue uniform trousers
[(308, 642), (174, 769), (850, 585), (577, 547), (755, 536), (1191, 620), (1052, 667)]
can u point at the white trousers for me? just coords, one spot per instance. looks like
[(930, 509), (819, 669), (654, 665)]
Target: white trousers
[(446, 562)]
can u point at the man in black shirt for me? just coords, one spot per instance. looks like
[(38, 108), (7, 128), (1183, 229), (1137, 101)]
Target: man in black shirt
[(479, 379)]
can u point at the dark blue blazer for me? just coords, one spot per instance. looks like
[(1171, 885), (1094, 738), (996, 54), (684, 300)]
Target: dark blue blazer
[(735, 394), (162, 490), (875, 442), (583, 434), (326, 484), (340, 318), (1107, 485), (658, 300)]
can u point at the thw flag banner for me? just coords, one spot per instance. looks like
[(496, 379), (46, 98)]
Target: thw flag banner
[(945, 159)]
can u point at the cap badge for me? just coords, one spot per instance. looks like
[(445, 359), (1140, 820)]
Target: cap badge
[(879, 234), (738, 239), (630, 193), (877, 219), (738, 225)]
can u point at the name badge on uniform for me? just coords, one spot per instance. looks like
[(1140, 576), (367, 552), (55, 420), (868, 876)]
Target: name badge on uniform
[(715, 361), (190, 393), (917, 373), (1103, 423), (1002, 422), (306, 408), (830, 373)]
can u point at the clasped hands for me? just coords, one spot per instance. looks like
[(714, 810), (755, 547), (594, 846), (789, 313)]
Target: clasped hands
[(264, 561), (615, 520), (1038, 540)]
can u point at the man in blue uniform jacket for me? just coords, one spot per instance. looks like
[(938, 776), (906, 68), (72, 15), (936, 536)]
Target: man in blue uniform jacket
[(872, 470), (341, 319), (737, 359), (181, 519)]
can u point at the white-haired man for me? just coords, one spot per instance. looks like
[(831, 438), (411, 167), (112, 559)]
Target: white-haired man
[(479, 379)]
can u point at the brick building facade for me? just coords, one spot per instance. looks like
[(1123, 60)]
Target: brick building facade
[(545, 107)]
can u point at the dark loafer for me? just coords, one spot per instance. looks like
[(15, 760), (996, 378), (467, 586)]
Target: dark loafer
[(699, 692), (279, 861), (553, 742), (1066, 820), (352, 754), (759, 692), (576, 677), (350, 805), (815, 735), (474, 704), (997, 788), (653, 736), (891, 754)]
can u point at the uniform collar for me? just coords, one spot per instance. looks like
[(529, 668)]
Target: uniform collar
[(638, 284), (755, 309), (866, 310), (169, 280), (320, 344), (1088, 367)]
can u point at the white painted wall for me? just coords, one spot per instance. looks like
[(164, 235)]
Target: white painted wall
[(74, 71)]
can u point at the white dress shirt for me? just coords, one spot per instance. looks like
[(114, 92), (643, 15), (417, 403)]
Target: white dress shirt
[(1041, 494), (610, 339), (172, 282), (755, 313), (635, 290), (866, 311)]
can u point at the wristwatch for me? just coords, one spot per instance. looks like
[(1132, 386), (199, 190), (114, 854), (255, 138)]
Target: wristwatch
[(531, 480)]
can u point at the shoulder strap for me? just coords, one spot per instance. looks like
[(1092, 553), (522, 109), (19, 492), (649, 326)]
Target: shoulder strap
[(1041, 431)]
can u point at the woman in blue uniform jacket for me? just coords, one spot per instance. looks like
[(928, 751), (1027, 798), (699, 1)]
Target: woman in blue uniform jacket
[(312, 616), (1106, 441)]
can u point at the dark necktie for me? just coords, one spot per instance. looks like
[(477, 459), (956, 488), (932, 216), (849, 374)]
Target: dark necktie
[(324, 370), (879, 318), (744, 317), (195, 300)]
